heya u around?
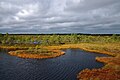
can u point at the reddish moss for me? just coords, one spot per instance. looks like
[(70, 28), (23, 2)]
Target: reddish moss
[(99, 74), (23, 54)]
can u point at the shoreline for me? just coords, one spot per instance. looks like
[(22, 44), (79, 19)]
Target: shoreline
[(82, 46), (112, 64), (56, 49)]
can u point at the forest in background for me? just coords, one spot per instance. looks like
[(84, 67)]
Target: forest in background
[(56, 39)]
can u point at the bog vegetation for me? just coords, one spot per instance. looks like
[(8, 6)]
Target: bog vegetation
[(56, 39), (48, 46)]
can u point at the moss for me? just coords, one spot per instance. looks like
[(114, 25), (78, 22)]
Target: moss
[(39, 54)]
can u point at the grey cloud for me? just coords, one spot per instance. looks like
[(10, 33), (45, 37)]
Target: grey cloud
[(49, 16), (85, 5)]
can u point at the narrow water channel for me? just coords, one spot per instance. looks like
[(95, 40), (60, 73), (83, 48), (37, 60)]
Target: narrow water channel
[(65, 67)]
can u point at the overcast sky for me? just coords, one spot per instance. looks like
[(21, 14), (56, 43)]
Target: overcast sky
[(60, 16)]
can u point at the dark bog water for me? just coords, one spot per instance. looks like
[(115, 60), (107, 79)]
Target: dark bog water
[(65, 67)]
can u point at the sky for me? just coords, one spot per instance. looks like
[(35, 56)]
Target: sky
[(60, 16)]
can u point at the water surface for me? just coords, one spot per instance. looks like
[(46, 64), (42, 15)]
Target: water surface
[(65, 67)]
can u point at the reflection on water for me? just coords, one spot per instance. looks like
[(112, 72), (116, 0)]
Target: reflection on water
[(65, 67)]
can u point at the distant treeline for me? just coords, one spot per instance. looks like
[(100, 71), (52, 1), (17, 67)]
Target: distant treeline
[(57, 39), (68, 34)]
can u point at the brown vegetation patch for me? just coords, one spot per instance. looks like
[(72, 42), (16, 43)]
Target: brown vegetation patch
[(111, 71), (23, 54), (99, 74), (110, 60), (12, 48)]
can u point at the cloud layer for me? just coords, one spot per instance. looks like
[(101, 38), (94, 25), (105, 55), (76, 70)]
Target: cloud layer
[(60, 16)]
